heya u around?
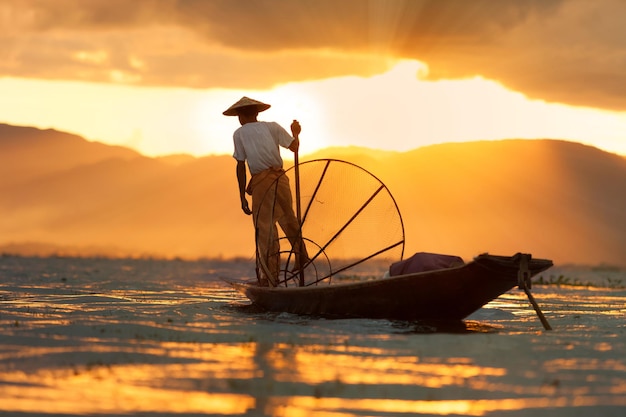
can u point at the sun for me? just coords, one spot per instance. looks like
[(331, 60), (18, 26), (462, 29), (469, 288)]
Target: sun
[(292, 102)]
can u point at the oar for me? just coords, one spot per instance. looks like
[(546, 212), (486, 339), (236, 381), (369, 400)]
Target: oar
[(295, 131), (523, 278), (542, 318)]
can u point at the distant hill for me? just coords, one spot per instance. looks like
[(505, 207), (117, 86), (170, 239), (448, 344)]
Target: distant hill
[(28, 152), (553, 198), (62, 194)]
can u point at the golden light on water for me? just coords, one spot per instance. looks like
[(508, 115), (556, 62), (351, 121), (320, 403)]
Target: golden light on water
[(333, 407), (319, 367), (182, 346), (283, 363), (86, 393)]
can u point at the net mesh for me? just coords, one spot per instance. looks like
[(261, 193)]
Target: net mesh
[(349, 218)]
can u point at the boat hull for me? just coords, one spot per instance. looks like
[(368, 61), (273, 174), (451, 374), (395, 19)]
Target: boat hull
[(445, 294)]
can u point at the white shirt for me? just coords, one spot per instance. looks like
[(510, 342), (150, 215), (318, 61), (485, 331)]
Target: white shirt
[(258, 143)]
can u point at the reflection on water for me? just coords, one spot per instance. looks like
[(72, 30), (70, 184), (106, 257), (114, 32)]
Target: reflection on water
[(332, 407), (169, 338)]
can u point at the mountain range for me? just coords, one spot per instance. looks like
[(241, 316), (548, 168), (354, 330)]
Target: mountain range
[(61, 194)]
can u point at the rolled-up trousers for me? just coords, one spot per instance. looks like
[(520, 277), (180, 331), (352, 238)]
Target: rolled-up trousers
[(272, 203)]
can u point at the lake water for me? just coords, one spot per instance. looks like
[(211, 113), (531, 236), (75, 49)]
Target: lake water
[(170, 338)]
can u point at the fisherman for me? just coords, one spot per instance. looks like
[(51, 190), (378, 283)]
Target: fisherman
[(258, 143)]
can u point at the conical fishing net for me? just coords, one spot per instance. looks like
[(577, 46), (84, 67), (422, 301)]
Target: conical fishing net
[(350, 225)]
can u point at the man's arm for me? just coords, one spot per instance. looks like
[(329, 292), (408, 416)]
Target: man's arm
[(241, 180)]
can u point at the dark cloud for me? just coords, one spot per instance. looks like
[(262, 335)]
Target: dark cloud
[(573, 52), (44, 15)]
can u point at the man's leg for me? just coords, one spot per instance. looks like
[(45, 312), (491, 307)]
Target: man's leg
[(289, 222), (265, 229)]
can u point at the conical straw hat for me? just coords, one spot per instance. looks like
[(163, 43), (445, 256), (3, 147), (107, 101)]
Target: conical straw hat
[(245, 102)]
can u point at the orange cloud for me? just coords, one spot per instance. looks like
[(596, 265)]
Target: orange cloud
[(570, 52)]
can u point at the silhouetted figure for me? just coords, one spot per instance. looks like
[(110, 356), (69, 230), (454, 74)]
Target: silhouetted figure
[(258, 143)]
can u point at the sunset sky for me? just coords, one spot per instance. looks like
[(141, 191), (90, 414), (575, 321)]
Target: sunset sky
[(155, 75)]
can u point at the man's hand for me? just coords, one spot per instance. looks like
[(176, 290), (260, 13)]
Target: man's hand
[(295, 132), (295, 129), (245, 207)]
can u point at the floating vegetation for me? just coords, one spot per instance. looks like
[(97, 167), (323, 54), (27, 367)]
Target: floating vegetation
[(562, 280), (615, 283)]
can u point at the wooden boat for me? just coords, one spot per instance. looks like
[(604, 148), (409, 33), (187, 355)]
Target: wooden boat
[(450, 293)]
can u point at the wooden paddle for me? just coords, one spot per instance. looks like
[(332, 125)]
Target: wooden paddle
[(295, 131), (540, 314), (523, 279)]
